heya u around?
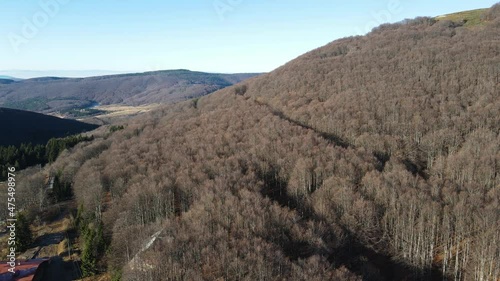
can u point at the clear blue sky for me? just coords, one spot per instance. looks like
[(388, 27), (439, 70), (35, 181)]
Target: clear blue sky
[(145, 35)]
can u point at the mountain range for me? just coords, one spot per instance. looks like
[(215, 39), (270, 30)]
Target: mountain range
[(55, 94), (8, 77)]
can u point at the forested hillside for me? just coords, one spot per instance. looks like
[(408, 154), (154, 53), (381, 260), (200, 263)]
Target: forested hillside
[(53, 94), (371, 158), (28, 155)]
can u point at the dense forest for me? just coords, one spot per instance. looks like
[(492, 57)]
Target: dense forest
[(28, 155), (374, 157)]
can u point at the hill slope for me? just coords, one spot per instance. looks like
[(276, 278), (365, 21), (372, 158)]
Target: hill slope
[(371, 158), (28, 127), (468, 18), (52, 94)]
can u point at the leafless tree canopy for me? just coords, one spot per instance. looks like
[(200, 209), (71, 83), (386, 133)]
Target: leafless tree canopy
[(373, 158)]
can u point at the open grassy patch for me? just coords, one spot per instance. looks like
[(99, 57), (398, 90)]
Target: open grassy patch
[(123, 110), (471, 18)]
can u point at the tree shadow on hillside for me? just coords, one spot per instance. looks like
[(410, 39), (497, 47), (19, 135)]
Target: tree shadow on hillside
[(58, 269), (353, 254)]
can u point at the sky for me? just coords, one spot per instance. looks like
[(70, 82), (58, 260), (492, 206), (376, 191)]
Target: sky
[(94, 37)]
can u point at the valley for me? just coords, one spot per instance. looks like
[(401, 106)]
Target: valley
[(75, 97), (110, 114)]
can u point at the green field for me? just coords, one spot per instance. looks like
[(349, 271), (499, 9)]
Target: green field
[(471, 18)]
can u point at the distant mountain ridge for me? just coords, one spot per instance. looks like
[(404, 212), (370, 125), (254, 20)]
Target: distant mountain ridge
[(55, 94), (5, 77), (18, 127), (27, 74)]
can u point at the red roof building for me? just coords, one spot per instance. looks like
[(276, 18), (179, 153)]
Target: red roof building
[(30, 270)]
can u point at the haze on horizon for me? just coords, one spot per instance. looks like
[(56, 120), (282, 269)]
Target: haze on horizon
[(87, 38)]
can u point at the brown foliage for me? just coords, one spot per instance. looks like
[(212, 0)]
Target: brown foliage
[(373, 156)]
